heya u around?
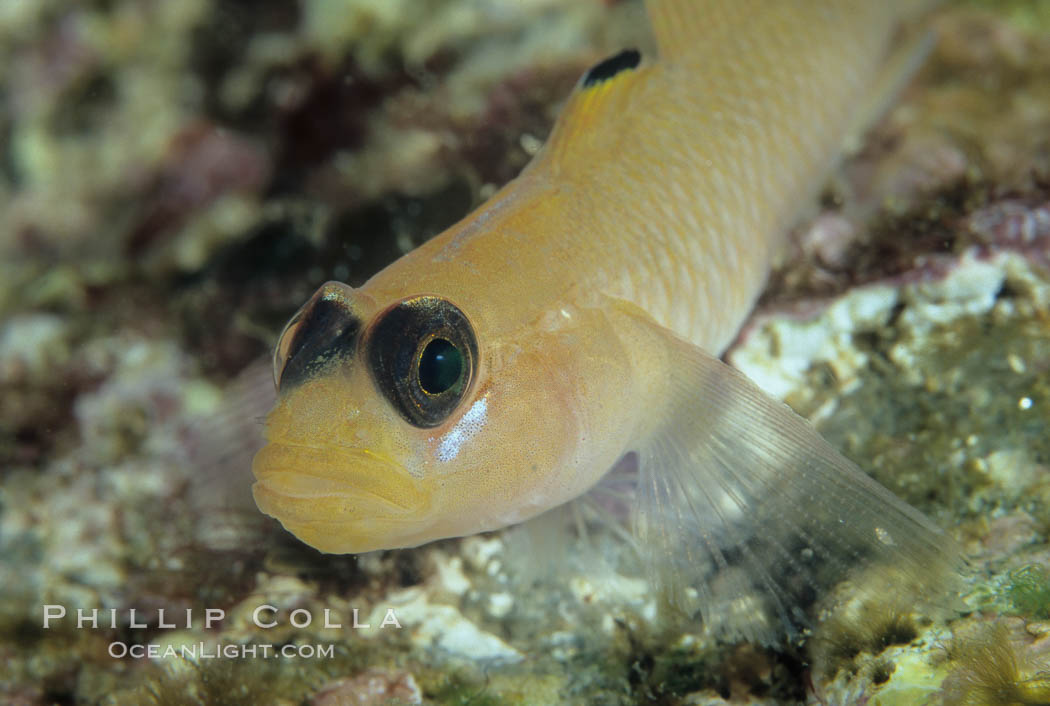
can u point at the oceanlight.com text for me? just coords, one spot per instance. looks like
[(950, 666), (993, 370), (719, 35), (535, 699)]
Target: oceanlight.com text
[(201, 651)]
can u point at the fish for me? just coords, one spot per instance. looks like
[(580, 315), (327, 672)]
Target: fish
[(575, 320)]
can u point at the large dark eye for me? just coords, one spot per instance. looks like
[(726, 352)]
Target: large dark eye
[(422, 353)]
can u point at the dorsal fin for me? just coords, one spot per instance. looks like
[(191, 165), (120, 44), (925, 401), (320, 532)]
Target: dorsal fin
[(607, 68), (603, 94)]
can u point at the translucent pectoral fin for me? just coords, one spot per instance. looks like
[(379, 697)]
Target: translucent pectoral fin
[(750, 518)]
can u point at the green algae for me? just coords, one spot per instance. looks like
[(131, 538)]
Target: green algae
[(934, 407), (455, 690), (1029, 591), (1028, 15)]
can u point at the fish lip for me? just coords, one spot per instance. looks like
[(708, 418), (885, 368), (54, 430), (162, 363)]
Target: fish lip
[(301, 483)]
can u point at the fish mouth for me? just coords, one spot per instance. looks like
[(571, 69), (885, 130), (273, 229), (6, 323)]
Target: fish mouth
[(338, 499)]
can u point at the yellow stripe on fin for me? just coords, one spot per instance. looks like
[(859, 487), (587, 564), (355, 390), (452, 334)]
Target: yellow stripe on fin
[(592, 118)]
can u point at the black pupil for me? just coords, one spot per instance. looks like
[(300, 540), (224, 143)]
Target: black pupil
[(440, 366)]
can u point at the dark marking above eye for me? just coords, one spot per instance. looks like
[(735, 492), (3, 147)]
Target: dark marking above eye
[(606, 69), (325, 330)]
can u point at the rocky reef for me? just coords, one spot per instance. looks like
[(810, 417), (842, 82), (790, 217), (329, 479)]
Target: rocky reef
[(177, 178)]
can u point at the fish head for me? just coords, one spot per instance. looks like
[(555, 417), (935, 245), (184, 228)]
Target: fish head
[(396, 424)]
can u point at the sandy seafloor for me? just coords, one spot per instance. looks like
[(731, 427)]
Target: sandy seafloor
[(177, 177)]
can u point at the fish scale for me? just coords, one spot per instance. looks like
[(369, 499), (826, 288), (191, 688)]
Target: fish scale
[(732, 134)]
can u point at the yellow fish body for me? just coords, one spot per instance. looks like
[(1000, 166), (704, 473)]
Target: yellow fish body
[(505, 366)]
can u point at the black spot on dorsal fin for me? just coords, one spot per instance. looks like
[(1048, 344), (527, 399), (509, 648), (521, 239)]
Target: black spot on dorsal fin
[(607, 68)]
